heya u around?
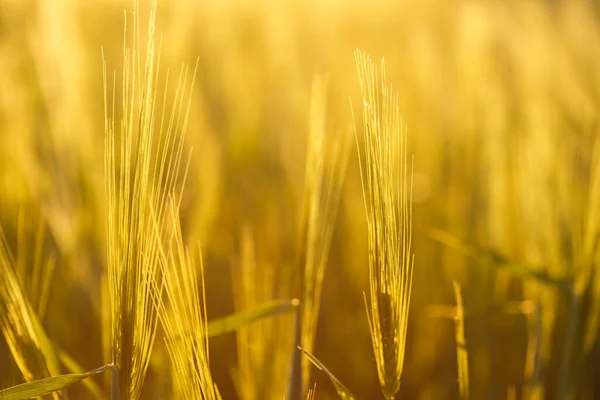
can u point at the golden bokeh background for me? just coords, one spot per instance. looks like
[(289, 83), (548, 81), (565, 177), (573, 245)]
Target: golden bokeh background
[(501, 102)]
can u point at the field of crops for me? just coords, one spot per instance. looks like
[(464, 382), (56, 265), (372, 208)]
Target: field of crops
[(205, 199)]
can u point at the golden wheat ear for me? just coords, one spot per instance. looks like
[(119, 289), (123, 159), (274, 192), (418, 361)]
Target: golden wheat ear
[(35, 269), (387, 190), (326, 161), (30, 347), (143, 163), (184, 322)]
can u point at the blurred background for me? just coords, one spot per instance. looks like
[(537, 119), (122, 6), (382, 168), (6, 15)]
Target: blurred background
[(501, 102)]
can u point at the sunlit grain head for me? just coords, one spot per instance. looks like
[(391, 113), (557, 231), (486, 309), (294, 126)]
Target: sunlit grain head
[(387, 186), (143, 163), (22, 330), (326, 160), (184, 320)]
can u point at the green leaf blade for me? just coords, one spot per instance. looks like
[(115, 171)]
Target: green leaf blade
[(536, 273), (46, 386), (233, 322)]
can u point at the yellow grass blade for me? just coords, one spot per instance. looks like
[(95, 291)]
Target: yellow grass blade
[(46, 386), (187, 318), (341, 389), (232, 323), (74, 368)]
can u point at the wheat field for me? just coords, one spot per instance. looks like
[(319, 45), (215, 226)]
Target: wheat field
[(271, 199)]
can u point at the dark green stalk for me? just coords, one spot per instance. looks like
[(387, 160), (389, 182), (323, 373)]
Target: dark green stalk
[(294, 390), (564, 385)]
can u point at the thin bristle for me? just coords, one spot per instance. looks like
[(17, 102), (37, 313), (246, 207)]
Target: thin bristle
[(312, 393), (185, 324), (387, 192), (34, 268)]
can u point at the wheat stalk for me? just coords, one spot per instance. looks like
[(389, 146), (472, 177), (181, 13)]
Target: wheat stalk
[(26, 339), (387, 193), (326, 160)]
